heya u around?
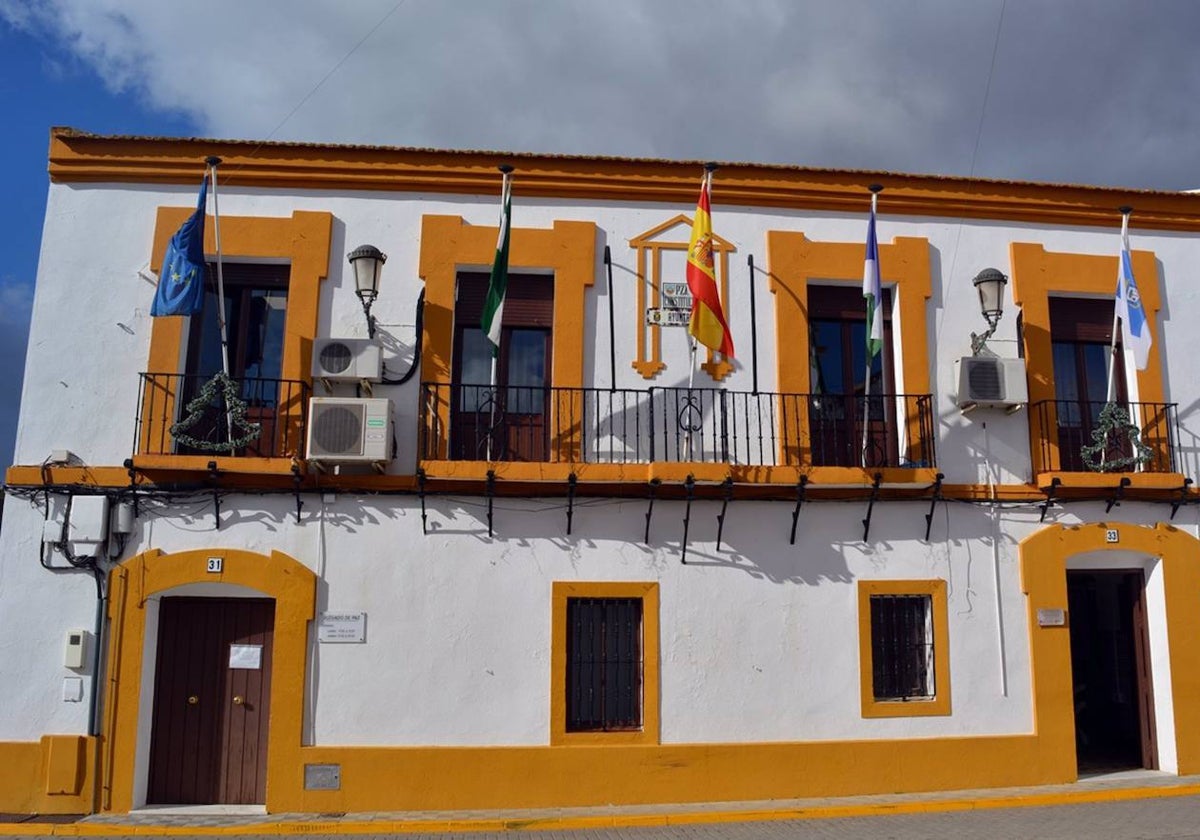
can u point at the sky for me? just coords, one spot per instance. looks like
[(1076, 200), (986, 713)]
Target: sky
[(1100, 92)]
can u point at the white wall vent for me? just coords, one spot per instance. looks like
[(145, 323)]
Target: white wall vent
[(349, 430), (347, 360), (991, 382)]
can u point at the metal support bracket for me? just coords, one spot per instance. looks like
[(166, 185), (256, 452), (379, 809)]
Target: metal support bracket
[(937, 497), (689, 485), (132, 473), (1050, 491), (1187, 482), (572, 480), (1115, 499), (214, 476), (421, 492), (296, 479), (653, 491), (801, 487), (491, 495), (727, 491), (871, 505)]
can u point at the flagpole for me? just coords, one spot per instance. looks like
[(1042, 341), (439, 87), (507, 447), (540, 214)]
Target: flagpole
[(505, 185), (213, 162), (1111, 391), (875, 190)]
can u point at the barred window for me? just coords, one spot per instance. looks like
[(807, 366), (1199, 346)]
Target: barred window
[(604, 664), (902, 654)]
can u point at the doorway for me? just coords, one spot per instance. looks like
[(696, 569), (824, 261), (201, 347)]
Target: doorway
[(1110, 666), (208, 742)]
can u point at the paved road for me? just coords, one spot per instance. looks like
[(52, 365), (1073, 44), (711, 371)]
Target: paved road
[(1172, 817)]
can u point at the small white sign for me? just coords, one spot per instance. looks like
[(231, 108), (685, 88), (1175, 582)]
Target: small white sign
[(1052, 618), (675, 289), (1112, 535), (214, 565), (668, 317), (345, 628), (245, 657)]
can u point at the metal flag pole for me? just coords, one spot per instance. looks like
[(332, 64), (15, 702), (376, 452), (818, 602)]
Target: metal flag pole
[(506, 176), (213, 162), (1110, 392), (870, 358)]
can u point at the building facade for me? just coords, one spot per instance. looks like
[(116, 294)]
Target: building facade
[(360, 575)]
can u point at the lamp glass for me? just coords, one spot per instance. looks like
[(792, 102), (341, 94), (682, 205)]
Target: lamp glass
[(367, 261), (990, 284)]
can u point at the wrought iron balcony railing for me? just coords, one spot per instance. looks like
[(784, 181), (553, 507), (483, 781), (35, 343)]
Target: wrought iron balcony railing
[(176, 418), (1064, 429), (707, 425)]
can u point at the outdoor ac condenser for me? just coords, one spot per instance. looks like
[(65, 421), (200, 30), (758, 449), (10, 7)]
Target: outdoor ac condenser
[(347, 360), (349, 430), (991, 382)]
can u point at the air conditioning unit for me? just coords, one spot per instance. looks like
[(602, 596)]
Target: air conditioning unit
[(347, 359), (349, 430), (991, 382)]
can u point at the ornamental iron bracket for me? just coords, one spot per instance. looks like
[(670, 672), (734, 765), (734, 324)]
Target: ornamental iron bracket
[(727, 494), (1050, 491), (1115, 499), (1182, 500), (491, 496), (572, 480), (689, 485), (421, 492), (652, 491), (937, 497), (296, 480), (214, 477), (871, 504), (801, 486)]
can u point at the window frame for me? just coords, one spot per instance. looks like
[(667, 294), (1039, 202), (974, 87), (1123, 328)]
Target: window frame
[(562, 592), (939, 703)]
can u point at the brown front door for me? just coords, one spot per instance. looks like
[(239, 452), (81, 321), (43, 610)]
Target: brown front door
[(208, 742)]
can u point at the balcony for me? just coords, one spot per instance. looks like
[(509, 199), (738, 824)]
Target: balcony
[(277, 407), (595, 426), (1063, 428)]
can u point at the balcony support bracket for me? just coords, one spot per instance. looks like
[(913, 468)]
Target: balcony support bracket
[(421, 492), (801, 487), (132, 473), (689, 486), (214, 477), (572, 480), (937, 497), (1050, 491), (652, 490), (1119, 493), (727, 494), (871, 505), (1182, 500), (296, 481), (491, 497)]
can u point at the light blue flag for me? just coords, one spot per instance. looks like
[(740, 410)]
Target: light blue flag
[(1135, 329), (181, 281)]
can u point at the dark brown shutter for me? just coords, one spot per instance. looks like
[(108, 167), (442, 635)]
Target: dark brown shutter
[(1081, 319), (528, 302), (843, 302)]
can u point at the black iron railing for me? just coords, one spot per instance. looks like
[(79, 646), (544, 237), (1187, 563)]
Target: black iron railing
[(707, 425), (278, 407), (1065, 427)]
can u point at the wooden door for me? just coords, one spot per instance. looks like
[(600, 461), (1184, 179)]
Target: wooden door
[(208, 742)]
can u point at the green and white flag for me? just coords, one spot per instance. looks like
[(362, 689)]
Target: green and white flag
[(493, 304), (872, 291)]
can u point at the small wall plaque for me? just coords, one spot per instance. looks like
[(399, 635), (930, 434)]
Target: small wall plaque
[(322, 777), (1112, 535), (245, 657), (1052, 618), (214, 565), (345, 628)]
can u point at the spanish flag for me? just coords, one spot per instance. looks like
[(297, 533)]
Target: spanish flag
[(707, 324)]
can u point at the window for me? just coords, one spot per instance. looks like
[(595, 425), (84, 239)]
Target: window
[(837, 346), (604, 663), (903, 647), (508, 423), (1081, 345)]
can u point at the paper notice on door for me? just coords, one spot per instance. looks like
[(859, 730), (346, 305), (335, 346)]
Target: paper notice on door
[(245, 657)]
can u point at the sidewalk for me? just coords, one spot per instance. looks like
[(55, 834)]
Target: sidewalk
[(221, 820)]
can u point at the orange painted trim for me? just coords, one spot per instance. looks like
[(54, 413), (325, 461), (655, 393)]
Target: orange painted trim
[(796, 261), (939, 704), (78, 157), (54, 775), (568, 249), (293, 587), (1111, 481), (561, 592), (303, 240), (1037, 275)]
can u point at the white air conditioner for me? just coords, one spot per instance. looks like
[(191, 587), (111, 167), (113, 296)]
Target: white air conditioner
[(349, 430), (991, 382), (347, 359)]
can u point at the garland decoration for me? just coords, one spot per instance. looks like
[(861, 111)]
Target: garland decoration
[(221, 388), (1115, 421)]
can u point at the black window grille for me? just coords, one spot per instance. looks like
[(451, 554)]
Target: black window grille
[(902, 647), (604, 664)]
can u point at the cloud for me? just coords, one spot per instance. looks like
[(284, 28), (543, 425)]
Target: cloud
[(1092, 91)]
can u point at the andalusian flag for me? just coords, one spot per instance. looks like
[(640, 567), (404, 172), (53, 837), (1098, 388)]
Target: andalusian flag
[(872, 290), (493, 304), (707, 324)]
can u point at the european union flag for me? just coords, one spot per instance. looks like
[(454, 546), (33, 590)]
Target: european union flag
[(181, 281)]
